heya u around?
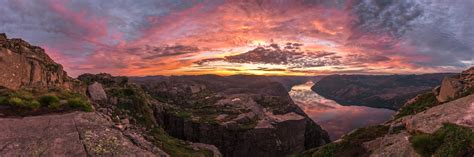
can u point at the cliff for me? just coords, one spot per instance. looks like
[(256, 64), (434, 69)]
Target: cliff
[(27, 66), (241, 115)]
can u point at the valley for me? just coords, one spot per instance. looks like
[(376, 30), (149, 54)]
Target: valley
[(336, 119)]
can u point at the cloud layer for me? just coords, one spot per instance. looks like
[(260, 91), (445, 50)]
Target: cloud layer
[(288, 37)]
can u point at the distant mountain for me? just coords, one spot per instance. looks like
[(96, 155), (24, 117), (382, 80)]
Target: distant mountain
[(386, 91), (289, 81)]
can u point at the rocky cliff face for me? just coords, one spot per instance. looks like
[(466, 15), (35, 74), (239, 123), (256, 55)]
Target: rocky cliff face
[(389, 92), (437, 123), (29, 66), (241, 115)]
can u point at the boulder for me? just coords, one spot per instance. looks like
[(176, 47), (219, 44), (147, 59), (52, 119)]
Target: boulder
[(96, 92), (450, 88), (396, 145), (460, 112)]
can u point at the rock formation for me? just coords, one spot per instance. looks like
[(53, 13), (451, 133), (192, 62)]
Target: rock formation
[(241, 115), (29, 66), (456, 86), (72, 134)]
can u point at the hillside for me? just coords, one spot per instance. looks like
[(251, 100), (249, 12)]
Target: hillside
[(387, 91)]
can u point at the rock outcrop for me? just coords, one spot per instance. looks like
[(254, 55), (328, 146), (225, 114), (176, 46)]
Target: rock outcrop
[(389, 91), (241, 115), (96, 92), (72, 134), (456, 86), (29, 66)]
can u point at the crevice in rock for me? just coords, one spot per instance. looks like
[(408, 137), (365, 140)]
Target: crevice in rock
[(5, 146), (81, 139), (32, 71)]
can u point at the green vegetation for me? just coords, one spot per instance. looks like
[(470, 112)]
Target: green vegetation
[(350, 145), (423, 103), (29, 101), (175, 147), (134, 100), (78, 103), (51, 101), (449, 141)]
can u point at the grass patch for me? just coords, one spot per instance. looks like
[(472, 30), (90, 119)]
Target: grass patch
[(79, 103), (351, 144), (25, 102), (451, 141), (175, 147), (51, 101), (424, 102)]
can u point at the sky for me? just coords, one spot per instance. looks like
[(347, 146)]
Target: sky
[(262, 37)]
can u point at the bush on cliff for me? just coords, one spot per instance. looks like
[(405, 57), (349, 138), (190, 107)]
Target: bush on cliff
[(51, 101), (350, 145), (450, 140), (423, 102), (80, 103), (174, 146)]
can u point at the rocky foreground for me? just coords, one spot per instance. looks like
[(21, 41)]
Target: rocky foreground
[(44, 112)]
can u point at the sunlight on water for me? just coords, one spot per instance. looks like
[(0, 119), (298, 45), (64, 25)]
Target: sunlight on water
[(336, 119)]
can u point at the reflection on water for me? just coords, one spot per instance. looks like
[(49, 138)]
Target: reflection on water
[(336, 119)]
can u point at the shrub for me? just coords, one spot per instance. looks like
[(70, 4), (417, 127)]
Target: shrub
[(15, 101), (450, 140), (32, 105), (20, 103), (423, 102), (54, 106), (3, 100), (49, 100), (351, 145), (79, 103)]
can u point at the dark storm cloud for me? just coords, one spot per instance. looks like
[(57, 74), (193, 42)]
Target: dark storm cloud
[(153, 52), (289, 55), (384, 17)]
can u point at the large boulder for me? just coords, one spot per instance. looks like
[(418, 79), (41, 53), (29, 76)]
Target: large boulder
[(449, 89), (96, 92)]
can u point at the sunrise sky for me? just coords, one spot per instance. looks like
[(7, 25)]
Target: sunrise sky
[(264, 37)]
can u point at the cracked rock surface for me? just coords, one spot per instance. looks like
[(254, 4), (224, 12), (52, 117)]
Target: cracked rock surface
[(71, 134)]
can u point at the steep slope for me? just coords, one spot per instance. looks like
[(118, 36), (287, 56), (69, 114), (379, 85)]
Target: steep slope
[(389, 91), (241, 115), (30, 66), (439, 123)]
